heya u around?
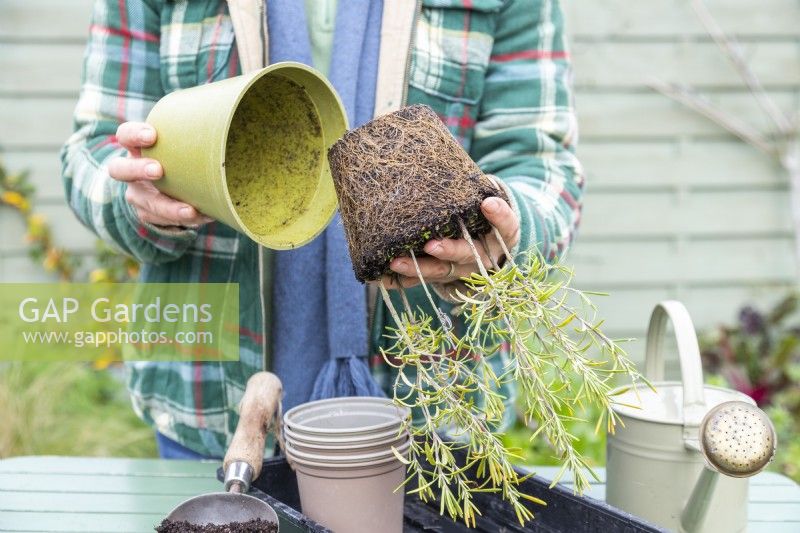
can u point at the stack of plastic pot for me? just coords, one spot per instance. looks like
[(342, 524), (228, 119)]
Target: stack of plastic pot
[(345, 454)]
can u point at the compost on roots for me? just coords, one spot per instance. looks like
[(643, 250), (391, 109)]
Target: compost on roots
[(251, 526), (402, 179)]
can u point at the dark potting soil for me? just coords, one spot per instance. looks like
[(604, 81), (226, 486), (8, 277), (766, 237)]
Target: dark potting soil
[(402, 179), (251, 526)]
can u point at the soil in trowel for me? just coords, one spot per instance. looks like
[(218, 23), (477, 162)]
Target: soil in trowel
[(252, 526), (274, 146)]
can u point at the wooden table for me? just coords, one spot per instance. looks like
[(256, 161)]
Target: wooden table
[(45, 493)]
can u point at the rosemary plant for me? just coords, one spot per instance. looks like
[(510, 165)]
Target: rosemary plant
[(560, 361)]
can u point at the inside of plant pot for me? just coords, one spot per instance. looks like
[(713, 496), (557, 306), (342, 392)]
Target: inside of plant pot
[(276, 170)]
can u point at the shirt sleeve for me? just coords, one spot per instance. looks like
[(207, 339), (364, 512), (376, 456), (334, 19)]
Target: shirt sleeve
[(526, 129), (121, 82)]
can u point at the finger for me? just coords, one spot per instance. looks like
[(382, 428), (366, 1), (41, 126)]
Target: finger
[(135, 135), (453, 250), (154, 206), (501, 216), (134, 169), (150, 218), (432, 269), (395, 282), (457, 251)]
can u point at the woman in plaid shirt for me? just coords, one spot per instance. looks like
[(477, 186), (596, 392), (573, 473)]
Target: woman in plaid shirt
[(496, 71)]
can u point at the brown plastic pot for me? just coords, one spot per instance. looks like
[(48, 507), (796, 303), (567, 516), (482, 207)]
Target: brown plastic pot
[(353, 498)]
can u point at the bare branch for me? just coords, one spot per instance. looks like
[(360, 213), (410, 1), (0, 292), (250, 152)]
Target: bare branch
[(733, 52), (696, 102)]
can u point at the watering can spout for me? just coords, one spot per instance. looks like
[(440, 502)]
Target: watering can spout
[(737, 439)]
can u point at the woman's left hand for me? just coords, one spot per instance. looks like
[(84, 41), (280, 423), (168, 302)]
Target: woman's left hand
[(452, 259)]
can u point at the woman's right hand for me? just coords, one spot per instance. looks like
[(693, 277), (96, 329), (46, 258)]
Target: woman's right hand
[(150, 204)]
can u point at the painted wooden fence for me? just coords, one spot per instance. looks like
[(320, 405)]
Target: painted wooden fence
[(675, 209)]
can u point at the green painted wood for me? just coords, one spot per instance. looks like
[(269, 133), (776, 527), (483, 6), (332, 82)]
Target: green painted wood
[(44, 68), (693, 261), (87, 502), (79, 522), (94, 494), (44, 172), (107, 484), (67, 229), (730, 213), (41, 68), (615, 166), (697, 299), (60, 494), (35, 123), (50, 464), (627, 309), (20, 269), (660, 19), (45, 20), (645, 115), (772, 527), (775, 512), (632, 64)]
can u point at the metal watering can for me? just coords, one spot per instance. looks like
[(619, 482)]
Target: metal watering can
[(664, 464)]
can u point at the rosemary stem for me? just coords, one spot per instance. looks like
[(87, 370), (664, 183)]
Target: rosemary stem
[(485, 244), (509, 257), (468, 238), (406, 304), (444, 320), (388, 301)]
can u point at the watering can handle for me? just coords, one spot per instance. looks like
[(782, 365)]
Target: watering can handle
[(688, 354)]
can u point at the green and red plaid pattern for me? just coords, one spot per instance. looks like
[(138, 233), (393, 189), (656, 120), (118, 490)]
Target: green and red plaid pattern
[(496, 71)]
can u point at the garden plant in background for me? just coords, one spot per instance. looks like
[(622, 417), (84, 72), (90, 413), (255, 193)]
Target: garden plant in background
[(53, 408), (560, 360), (18, 193), (760, 356)]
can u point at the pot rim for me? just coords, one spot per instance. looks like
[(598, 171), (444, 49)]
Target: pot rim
[(315, 439), (388, 408), (344, 444), (337, 465), (387, 452)]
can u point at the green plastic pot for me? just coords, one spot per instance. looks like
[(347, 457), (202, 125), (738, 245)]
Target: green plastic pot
[(251, 151)]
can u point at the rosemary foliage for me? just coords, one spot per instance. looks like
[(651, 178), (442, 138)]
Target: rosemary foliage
[(560, 361)]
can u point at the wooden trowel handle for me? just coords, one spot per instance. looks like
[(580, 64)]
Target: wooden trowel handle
[(260, 403)]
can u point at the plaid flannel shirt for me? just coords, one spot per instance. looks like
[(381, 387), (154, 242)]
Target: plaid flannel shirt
[(496, 71)]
